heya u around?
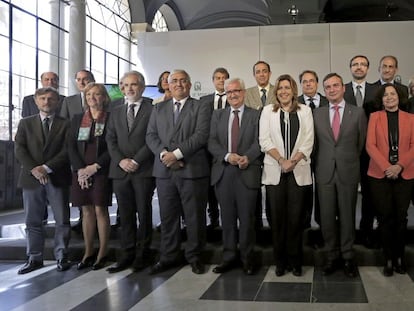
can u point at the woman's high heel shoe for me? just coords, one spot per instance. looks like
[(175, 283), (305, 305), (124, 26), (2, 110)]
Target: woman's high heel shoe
[(88, 262), (100, 263)]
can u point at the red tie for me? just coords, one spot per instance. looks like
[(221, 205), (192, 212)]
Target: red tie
[(336, 122), (235, 131)]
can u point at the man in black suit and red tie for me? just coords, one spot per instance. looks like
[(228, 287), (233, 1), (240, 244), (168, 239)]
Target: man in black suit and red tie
[(131, 172), (45, 176), (217, 100), (177, 135)]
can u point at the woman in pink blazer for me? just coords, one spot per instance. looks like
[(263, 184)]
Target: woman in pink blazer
[(390, 145)]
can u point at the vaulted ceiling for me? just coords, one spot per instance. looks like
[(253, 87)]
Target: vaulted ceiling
[(203, 14)]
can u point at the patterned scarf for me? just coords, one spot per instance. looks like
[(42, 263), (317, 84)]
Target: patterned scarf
[(87, 122)]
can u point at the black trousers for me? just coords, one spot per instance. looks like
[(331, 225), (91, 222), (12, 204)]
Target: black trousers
[(391, 199), (286, 202)]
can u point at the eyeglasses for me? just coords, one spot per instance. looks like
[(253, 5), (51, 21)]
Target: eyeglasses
[(235, 92), (359, 65)]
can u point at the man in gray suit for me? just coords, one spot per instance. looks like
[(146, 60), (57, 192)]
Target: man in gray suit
[(177, 135), (264, 92), (131, 172), (45, 176), (47, 79), (236, 174), (75, 104), (340, 131)]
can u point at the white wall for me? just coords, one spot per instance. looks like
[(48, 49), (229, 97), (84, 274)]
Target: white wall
[(288, 49)]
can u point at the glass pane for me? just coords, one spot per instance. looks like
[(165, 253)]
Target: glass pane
[(4, 19), (48, 62), (24, 28), (98, 34), (29, 6), (4, 52), (24, 60), (111, 68), (98, 64), (111, 40), (46, 41)]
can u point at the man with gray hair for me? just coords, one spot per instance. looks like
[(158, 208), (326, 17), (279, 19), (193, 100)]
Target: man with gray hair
[(131, 172), (177, 135), (236, 174)]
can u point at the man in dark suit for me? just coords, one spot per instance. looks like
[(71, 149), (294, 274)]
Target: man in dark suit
[(45, 176), (47, 79), (340, 131), (177, 135), (311, 97), (131, 171), (359, 92), (75, 104), (217, 100), (236, 174), (388, 68)]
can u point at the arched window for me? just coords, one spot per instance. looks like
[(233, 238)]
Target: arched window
[(158, 23)]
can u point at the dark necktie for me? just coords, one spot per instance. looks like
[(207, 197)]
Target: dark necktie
[(235, 128), (311, 103), (45, 125), (131, 116), (176, 111), (263, 98), (358, 96), (336, 122), (220, 101)]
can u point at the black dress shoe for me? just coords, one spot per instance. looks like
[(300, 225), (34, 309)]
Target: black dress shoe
[(30, 266), (88, 262), (399, 266), (140, 264), (280, 270), (99, 264), (350, 268), (224, 267), (197, 267), (388, 269), (120, 265), (297, 271), (63, 265), (248, 269), (77, 227), (160, 267)]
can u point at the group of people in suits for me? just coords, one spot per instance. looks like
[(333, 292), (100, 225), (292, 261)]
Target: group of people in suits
[(232, 142)]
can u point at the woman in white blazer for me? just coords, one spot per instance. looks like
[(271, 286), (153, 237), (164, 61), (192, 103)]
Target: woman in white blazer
[(286, 136)]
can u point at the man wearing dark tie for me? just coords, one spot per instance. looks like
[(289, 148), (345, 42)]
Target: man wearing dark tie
[(312, 98), (359, 92), (131, 172), (236, 175), (47, 79), (217, 100), (45, 176), (177, 135), (340, 131), (388, 68)]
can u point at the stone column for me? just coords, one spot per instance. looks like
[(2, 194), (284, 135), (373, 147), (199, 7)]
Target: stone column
[(77, 42)]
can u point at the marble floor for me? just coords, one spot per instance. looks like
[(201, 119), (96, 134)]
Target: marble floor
[(180, 289)]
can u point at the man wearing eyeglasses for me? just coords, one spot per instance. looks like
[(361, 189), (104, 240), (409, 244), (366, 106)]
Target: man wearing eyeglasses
[(360, 93), (177, 134), (236, 175)]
